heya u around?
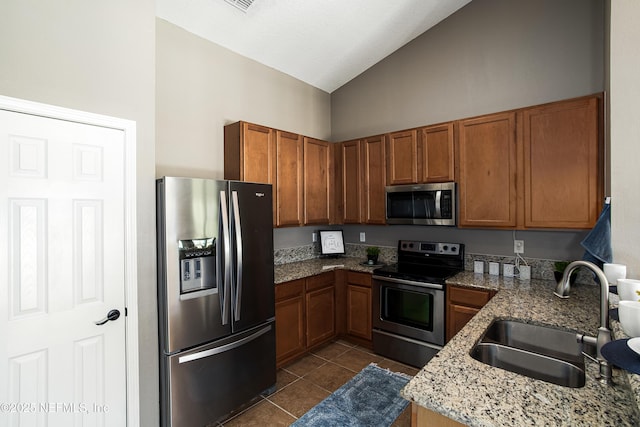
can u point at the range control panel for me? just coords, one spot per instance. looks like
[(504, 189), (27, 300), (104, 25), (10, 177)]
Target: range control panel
[(429, 247)]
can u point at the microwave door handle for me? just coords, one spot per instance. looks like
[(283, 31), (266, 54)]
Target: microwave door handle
[(225, 290), (237, 298), (438, 211)]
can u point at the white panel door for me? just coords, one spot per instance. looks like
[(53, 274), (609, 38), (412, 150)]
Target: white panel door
[(62, 268)]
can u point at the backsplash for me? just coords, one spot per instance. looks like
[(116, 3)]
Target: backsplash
[(540, 268), (301, 253)]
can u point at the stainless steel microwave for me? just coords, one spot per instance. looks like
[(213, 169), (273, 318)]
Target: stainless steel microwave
[(423, 204)]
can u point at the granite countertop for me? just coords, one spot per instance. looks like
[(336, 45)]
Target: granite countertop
[(473, 393), (311, 267)]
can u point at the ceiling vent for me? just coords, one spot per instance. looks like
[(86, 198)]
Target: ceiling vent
[(243, 5)]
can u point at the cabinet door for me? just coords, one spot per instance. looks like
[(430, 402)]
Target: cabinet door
[(403, 157), (290, 339), (289, 163), (487, 171), (358, 305), (462, 305), (437, 161), (374, 179), (351, 181), (317, 181), (320, 309), (359, 311), (249, 153), (289, 329), (459, 316), (562, 164)]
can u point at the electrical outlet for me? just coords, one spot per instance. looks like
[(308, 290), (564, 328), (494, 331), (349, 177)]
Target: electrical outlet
[(478, 267), (494, 268), (518, 246), (314, 237), (362, 237), (507, 270)]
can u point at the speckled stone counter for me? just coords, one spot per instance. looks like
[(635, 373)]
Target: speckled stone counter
[(311, 267), (473, 393)]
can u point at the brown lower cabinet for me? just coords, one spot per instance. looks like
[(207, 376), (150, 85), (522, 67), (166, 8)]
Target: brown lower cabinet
[(315, 310), (290, 331), (305, 315), (320, 305), (423, 417), (462, 305), (358, 306)]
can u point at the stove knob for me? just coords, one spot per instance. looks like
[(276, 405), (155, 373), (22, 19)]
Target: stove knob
[(404, 246), (445, 247), (411, 245)]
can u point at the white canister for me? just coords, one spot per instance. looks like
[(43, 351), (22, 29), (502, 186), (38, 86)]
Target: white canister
[(613, 272), (629, 289), (629, 312)]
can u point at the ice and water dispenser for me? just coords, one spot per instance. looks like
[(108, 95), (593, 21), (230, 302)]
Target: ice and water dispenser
[(197, 265)]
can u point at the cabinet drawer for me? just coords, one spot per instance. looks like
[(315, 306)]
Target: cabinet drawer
[(469, 297), (320, 281), (362, 279), (289, 289)]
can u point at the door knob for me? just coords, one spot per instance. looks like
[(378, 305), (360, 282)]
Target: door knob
[(111, 315)]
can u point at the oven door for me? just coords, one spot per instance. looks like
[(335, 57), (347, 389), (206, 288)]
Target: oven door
[(409, 309)]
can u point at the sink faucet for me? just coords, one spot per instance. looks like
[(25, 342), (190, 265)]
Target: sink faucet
[(604, 333)]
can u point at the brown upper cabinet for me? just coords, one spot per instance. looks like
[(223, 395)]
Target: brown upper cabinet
[(563, 185), (421, 155), (536, 167), (363, 178), (402, 155), (487, 171), (289, 176), (318, 178), (249, 153), (436, 153), (299, 168), (351, 180), (374, 179)]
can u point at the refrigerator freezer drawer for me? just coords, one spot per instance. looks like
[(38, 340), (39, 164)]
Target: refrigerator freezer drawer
[(204, 384)]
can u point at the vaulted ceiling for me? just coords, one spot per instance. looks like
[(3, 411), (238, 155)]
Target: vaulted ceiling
[(324, 43)]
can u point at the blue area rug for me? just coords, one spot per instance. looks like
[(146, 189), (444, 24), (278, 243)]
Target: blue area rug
[(371, 398)]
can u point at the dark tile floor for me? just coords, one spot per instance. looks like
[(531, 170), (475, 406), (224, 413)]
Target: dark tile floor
[(306, 382)]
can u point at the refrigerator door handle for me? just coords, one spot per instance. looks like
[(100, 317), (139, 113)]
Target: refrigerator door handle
[(224, 292), (224, 348), (238, 291)]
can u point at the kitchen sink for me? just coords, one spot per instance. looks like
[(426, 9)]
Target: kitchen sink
[(540, 352)]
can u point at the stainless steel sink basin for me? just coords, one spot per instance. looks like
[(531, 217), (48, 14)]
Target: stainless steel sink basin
[(539, 352)]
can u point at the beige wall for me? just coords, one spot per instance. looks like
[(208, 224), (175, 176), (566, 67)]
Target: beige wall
[(202, 86), (97, 57), (489, 56), (625, 134)]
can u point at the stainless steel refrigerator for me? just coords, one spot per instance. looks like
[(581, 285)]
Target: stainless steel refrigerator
[(215, 297)]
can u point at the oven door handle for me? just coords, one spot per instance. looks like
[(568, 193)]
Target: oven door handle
[(409, 282)]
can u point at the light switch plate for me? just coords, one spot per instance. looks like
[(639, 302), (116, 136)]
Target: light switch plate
[(494, 268), (525, 272), (362, 237), (518, 246)]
